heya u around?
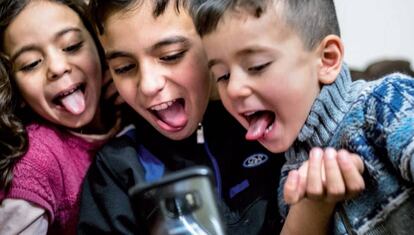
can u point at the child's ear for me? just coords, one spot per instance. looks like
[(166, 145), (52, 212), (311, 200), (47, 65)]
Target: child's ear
[(332, 53)]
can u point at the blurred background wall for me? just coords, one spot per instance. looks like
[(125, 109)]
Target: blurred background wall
[(375, 30)]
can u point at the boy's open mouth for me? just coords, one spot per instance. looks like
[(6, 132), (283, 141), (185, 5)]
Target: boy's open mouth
[(171, 113), (72, 99), (260, 123)]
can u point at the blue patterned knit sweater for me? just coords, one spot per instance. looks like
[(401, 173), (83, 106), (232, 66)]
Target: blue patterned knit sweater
[(375, 120)]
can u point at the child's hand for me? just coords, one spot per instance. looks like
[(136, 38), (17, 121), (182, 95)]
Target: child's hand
[(328, 175), (109, 89)]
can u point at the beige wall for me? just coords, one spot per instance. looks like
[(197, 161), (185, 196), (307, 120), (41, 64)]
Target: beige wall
[(376, 29)]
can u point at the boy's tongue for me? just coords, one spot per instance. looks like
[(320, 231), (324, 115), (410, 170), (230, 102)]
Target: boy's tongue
[(258, 125), (74, 103), (174, 115)]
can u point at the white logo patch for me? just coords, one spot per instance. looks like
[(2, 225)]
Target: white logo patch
[(255, 160)]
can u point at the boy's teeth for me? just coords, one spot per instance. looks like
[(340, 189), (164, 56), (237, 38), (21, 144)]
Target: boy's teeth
[(162, 106), (249, 114), (269, 128), (171, 113)]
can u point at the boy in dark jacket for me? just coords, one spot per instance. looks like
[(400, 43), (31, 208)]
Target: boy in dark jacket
[(159, 67)]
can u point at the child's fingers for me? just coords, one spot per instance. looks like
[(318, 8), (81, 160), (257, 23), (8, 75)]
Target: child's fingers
[(303, 179), (290, 189), (356, 159), (106, 78), (119, 100), (110, 91), (314, 187), (335, 186), (351, 167)]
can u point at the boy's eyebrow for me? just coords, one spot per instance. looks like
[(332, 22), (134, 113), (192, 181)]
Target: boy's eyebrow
[(248, 51), (33, 47), (212, 62), (169, 41), (115, 54), (239, 54), (110, 55)]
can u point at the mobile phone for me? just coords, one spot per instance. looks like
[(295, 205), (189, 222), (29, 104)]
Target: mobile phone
[(180, 203)]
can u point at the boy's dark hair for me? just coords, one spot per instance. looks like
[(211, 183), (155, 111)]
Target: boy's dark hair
[(13, 136), (313, 20), (102, 9)]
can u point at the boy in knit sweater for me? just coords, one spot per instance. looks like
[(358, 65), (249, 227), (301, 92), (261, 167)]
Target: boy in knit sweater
[(286, 83)]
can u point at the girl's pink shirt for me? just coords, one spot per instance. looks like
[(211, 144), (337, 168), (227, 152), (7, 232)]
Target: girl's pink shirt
[(50, 174)]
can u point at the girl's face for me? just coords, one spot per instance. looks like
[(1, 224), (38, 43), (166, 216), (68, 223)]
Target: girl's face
[(55, 63)]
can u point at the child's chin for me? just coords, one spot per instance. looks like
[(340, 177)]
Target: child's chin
[(270, 147), (174, 133), (177, 135), (274, 146)]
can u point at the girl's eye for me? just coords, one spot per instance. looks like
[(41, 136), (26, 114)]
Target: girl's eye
[(30, 67), (74, 47), (259, 68), (173, 57), (224, 77), (124, 69)]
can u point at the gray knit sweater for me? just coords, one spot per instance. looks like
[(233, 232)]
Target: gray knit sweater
[(375, 120)]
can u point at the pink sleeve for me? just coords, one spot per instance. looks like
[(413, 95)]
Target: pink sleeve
[(32, 184), (36, 176)]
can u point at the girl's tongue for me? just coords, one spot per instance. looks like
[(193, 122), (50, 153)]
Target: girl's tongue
[(174, 115), (75, 102), (258, 125)]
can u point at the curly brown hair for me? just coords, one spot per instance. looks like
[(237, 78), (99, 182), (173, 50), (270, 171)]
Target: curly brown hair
[(13, 135)]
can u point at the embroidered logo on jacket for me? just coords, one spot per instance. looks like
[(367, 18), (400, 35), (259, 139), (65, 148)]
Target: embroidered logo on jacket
[(255, 160)]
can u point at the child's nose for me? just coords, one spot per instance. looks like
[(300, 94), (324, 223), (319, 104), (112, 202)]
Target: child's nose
[(152, 80), (238, 85), (58, 65)]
